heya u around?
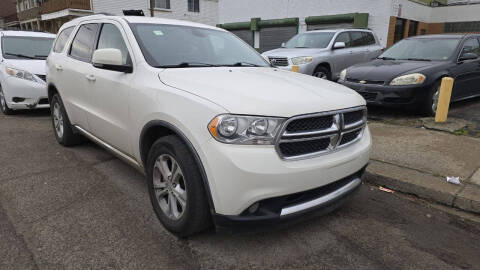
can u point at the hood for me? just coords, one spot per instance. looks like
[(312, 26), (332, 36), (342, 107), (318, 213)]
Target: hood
[(294, 52), (32, 66), (386, 70), (262, 91)]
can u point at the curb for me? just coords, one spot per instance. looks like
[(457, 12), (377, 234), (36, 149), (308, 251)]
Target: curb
[(465, 197)]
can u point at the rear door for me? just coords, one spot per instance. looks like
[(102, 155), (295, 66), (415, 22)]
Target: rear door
[(110, 90), (467, 73), (74, 71)]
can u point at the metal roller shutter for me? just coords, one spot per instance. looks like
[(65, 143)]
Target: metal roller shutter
[(245, 35), (273, 37), (329, 26)]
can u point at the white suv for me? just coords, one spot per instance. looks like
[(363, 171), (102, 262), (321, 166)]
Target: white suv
[(22, 70), (221, 135)]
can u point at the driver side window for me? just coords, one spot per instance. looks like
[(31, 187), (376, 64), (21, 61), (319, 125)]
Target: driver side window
[(344, 37), (471, 46), (111, 38)]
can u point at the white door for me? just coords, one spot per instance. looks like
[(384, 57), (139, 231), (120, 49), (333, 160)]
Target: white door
[(73, 70), (110, 92)]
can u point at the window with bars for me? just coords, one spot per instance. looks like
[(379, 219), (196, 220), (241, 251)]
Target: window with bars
[(165, 4), (194, 5)]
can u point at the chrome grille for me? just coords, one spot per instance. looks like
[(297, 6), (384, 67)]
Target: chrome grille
[(279, 61), (311, 135)]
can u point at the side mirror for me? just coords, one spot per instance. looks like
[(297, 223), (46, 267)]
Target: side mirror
[(339, 45), (467, 56), (110, 59), (283, 45)]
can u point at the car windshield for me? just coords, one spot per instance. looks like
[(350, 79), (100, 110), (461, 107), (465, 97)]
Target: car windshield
[(170, 46), (432, 49), (16, 47), (310, 40)]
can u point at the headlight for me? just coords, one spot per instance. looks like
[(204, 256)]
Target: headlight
[(302, 60), (414, 78), (343, 75), (22, 74), (239, 129)]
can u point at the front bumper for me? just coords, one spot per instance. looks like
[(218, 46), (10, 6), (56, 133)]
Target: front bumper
[(290, 209), (392, 96), (242, 175), (304, 69), (22, 94)]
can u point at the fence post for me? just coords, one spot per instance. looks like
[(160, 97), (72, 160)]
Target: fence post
[(444, 100)]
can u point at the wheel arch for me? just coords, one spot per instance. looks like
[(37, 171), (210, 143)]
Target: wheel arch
[(156, 129), (51, 90), (325, 65)]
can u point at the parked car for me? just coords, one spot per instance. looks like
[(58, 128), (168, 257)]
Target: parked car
[(22, 70), (409, 74), (219, 133), (325, 53)]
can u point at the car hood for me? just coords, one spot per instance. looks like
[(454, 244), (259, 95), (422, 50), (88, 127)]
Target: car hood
[(32, 66), (285, 52), (262, 91), (386, 70)]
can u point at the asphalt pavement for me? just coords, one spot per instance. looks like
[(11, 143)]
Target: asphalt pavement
[(81, 208)]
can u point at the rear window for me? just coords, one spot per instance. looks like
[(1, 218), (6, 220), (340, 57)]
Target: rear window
[(62, 39)]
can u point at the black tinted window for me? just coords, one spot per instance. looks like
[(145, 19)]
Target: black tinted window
[(471, 46), (370, 40), (344, 37), (82, 46), (357, 39), (62, 39), (111, 38)]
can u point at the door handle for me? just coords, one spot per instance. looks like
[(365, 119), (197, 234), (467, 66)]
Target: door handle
[(58, 67), (90, 77)]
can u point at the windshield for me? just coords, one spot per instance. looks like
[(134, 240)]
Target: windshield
[(183, 46), (422, 49), (15, 47), (310, 40)]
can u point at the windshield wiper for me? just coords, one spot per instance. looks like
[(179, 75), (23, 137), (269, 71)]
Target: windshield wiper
[(188, 64), (299, 47), (386, 58), (41, 56), (21, 55), (418, 59), (240, 64)]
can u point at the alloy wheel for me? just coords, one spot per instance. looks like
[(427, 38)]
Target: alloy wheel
[(435, 99), (320, 75), (169, 186), (58, 120), (3, 103)]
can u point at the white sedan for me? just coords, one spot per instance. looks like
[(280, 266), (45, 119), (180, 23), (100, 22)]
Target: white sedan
[(22, 70)]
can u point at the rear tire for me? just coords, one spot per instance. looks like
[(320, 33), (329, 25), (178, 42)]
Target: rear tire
[(322, 73), (4, 105), (62, 128), (176, 188), (429, 105)]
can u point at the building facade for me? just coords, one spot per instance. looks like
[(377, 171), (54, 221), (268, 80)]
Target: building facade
[(8, 15), (201, 11), (267, 23)]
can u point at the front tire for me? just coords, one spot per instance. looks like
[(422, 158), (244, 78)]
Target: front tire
[(4, 105), (322, 73), (176, 188), (429, 106), (62, 128)]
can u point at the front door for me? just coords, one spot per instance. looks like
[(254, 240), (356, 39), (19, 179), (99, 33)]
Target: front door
[(467, 73), (110, 92), (342, 58)]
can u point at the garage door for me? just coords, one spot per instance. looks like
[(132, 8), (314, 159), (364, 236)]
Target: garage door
[(273, 37), (245, 35), (329, 26)]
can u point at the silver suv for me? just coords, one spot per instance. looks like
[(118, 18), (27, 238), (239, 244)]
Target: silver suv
[(325, 53)]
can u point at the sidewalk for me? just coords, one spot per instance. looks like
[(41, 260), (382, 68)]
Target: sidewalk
[(416, 161)]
